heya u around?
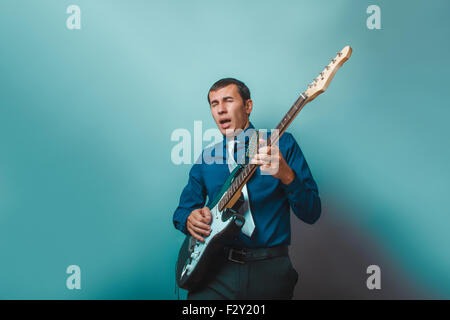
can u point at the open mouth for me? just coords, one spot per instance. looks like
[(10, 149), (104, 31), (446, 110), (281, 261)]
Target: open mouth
[(225, 123)]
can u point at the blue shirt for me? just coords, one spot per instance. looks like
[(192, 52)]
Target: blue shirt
[(270, 199)]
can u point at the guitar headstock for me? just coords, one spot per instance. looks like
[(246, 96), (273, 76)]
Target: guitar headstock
[(320, 84)]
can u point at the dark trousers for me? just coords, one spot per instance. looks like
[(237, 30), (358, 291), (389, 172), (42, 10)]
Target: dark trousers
[(273, 278)]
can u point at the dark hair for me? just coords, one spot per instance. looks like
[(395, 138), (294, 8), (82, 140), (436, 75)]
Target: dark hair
[(243, 90)]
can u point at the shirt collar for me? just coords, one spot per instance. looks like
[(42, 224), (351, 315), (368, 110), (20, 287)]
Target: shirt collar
[(225, 139)]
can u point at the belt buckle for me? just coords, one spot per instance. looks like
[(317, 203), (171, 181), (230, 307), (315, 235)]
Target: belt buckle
[(230, 254)]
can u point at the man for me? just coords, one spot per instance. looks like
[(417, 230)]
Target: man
[(255, 265)]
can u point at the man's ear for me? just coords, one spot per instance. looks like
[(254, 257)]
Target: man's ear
[(248, 106)]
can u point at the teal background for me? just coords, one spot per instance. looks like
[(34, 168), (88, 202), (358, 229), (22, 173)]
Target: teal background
[(86, 118)]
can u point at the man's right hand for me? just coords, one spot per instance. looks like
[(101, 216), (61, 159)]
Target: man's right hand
[(198, 223)]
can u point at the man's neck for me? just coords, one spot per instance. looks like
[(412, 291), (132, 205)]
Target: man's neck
[(238, 131)]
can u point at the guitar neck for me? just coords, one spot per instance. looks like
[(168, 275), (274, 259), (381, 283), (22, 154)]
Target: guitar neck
[(233, 192), (288, 118)]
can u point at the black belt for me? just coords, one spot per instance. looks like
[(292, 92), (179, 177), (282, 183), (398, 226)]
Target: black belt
[(243, 255)]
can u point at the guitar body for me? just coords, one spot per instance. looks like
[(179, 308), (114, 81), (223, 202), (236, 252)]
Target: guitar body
[(195, 257)]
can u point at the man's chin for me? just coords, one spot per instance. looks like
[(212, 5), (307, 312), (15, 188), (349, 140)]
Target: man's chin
[(229, 132)]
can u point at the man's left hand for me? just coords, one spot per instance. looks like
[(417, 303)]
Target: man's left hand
[(272, 162)]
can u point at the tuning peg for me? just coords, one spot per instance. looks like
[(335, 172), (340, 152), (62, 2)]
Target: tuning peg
[(321, 74), (327, 67), (339, 54), (309, 86), (333, 60)]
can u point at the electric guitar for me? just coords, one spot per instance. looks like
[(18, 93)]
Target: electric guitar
[(195, 257)]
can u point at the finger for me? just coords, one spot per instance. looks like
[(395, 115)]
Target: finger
[(257, 162), (261, 158), (200, 224), (265, 150), (206, 213), (207, 220), (274, 148), (267, 169), (265, 157), (201, 216), (200, 231), (257, 157), (205, 210), (197, 232), (195, 235)]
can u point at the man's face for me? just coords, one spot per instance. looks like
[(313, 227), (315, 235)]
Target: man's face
[(228, 109)]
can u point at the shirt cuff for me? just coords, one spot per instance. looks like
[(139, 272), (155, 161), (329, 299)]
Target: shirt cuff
[(181, 220), (294, 189)]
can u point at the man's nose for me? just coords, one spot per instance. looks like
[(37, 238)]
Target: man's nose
[(221, 108)]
